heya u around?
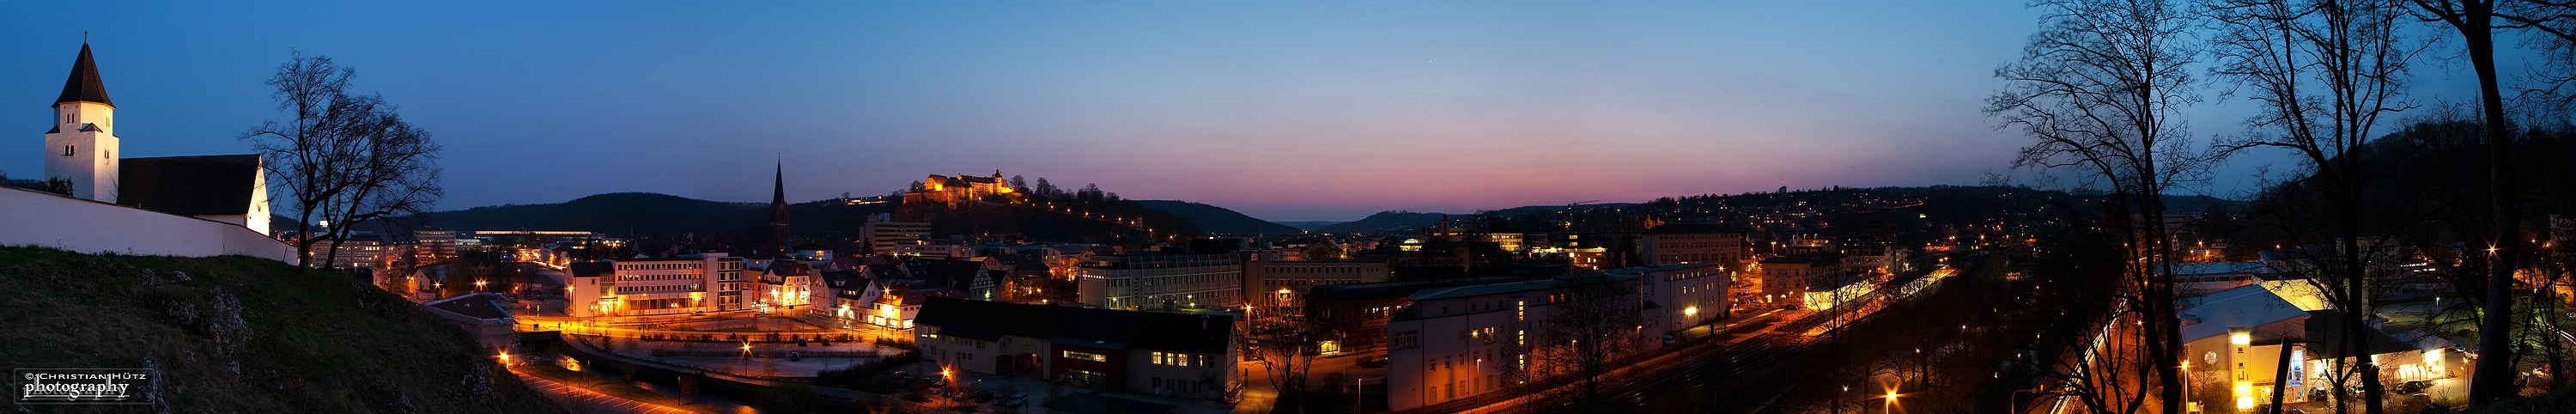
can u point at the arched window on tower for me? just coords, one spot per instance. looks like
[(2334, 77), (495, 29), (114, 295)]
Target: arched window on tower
[(67, 150)]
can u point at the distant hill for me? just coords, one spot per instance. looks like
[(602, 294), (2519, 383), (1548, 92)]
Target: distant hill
[(651, 214), (1386, 221), (1213, 219), (658, 214), (2200, 203), (1528, 210), (239, 334), (1309, 225)]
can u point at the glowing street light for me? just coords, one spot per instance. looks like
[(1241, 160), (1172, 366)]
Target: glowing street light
[(505, 358)]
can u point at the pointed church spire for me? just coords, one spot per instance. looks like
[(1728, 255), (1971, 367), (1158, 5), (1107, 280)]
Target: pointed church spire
[(778, 194), (778, 211), (84, 85)]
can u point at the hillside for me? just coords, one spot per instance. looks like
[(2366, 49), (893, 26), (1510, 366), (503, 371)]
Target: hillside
[(1529, 210), (1387, 221), (1308, 225), (237, 334), (646, 214), (1213, 219)]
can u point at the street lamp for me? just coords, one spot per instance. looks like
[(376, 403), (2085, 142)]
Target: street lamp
[(505, 358)]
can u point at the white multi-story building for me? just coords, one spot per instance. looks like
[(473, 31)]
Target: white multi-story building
[(656, 286), (1137, 281), (1455, 343), (1682, 296)]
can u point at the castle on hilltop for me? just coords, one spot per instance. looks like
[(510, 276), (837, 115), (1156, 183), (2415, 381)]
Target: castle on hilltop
[(81, 149), (961, 188)]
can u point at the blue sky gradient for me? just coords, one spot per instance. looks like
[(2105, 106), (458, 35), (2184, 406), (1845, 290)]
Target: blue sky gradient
[(1293, 111)]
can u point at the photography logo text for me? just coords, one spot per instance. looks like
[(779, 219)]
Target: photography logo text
[(81, 385)]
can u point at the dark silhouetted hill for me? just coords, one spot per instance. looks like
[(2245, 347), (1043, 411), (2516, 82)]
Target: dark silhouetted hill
[(649, 214), (1309, 225), (1213, 219), (1388, 221)]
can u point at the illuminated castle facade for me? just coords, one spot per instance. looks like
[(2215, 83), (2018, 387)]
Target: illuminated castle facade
[(961, 188)]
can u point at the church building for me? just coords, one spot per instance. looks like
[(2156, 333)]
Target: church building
[(82, 149)]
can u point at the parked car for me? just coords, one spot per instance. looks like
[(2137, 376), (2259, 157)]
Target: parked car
[(2411, 387), (1016, 400)]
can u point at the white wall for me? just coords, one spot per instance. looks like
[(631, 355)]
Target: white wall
[(29, 217)]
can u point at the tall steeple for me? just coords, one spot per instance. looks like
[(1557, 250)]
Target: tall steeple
[(82, 145), (778, 211), (84, 85)]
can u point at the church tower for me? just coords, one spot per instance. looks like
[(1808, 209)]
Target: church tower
[(82, 145), (778, 212)]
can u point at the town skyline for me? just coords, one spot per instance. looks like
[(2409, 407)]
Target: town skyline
[(2059, 206), (1507, 106)]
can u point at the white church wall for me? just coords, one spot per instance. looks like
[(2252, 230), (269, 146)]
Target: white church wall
[(34, 218), (91, 163)]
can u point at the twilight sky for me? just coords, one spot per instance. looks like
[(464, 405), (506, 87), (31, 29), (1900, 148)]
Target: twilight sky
[(1299, 111)]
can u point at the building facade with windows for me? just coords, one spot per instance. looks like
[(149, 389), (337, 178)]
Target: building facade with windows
[(1181, 355), (1459, 342), (1797, 274), (1285, 282), (636, 287), (881, 233), (1682, 296), (1150, 281), (1354, 316), (1694, 243)]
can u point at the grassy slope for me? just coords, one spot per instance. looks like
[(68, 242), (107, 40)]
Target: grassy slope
[(317, 343)]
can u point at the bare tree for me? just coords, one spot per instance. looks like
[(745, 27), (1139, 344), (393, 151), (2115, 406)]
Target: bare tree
[(2083, 354), (342, 158), (1284, 343), (2098, 88), (2323, 73), (2475, 22), (1588, 329), (2555, 23)]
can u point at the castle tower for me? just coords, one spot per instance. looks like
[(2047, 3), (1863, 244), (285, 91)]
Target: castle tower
[(82, 145), (778, 212)]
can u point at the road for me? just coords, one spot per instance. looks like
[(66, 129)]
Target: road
[(1747, 370), (584, 400)]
